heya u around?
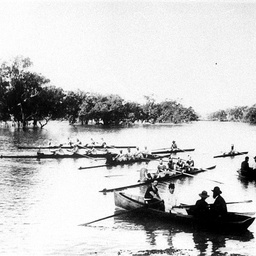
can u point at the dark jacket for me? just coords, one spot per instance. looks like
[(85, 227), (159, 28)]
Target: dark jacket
[(219, 207)]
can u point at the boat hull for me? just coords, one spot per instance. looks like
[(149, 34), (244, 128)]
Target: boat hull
[(170, 151), (250, 176), (68, 147), (231, 154), (165, 178), (233, 222), (56, 156)]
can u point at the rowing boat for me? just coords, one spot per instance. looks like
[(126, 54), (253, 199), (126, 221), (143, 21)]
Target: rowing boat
[(146, 158), (57, 156), (110, 162), (68, 147), (172, 151), (232, 222), (160, 179), (251, 175), (231, 154)]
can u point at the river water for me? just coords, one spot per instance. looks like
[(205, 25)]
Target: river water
[(43, 202)]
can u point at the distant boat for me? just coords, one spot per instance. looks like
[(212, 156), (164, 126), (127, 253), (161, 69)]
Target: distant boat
[(231, 154), (171, 151)]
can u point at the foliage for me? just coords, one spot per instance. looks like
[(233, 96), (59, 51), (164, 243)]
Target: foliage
[(27, 96)]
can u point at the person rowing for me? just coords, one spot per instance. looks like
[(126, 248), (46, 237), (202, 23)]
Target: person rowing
[(129, 155), (189, 165), (138, 154), (58, 151), (161, 169), (152, 197), (174, 145), (120, 157)]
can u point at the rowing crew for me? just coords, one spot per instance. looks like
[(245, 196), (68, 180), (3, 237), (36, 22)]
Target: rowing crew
[(129, 155), (172, 168)]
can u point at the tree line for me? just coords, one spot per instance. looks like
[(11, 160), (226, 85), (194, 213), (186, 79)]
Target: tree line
[(236, 114), (27, 98)]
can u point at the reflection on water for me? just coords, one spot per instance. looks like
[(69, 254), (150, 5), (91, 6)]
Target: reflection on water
[(205, 243), (43, 202)]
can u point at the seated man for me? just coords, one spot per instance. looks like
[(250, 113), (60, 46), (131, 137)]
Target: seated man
[(245, 169), (152, 197), (161, 169)]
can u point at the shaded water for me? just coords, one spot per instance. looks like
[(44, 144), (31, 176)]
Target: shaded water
[(43, 202)]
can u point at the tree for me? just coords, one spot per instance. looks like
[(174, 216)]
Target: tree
[(21, 88)]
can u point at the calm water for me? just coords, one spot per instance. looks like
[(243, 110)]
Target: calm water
[(43, 202)]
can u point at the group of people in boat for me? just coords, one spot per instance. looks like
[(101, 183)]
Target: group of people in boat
[(201, 209), (172, 168), (246, 169), (129, 155)]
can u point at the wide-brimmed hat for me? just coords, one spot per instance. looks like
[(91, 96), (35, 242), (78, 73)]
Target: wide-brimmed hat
[(217, 190), (204, 194)]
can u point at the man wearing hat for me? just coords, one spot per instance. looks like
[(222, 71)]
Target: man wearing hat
[(219, 207), (201, 209)]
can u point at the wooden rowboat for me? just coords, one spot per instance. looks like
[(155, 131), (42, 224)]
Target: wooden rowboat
[(57, 156), (231, 154), (172, 151), (232, 222), (165, 178)]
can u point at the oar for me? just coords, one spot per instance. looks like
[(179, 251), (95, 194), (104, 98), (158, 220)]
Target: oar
[(237, 202), (191, 175), (120, 213), (95, 166)]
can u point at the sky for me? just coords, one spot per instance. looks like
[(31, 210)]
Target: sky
[(200, 53)]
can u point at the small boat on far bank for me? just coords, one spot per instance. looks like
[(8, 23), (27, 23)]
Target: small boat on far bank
[(232, 222), (231, 154)]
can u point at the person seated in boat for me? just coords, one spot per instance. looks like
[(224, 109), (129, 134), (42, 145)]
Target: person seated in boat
[(103, 143), (161, 169), (254, 164), (144, 174), (120, 157), (245, 168), (201, 209), (129, 154), (180, 165), (74, 149), (58, 151), (90, 151), (170, 164), (219, 207), (109, 157), (172, 200), (145, 152), (174, 145), (189, 164), (138, 154), (152, 197), (232, 150)]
